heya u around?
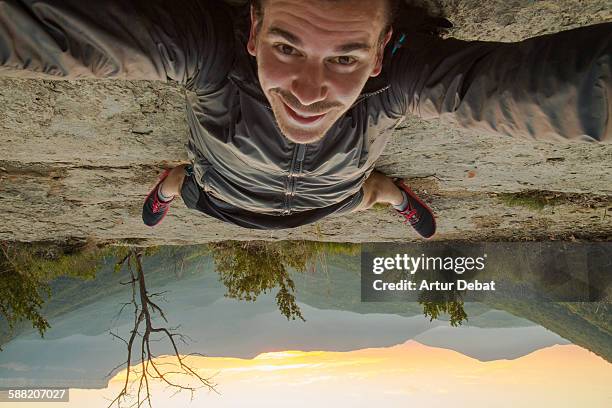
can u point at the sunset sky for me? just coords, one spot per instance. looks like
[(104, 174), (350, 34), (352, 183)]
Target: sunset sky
[(409, 373)]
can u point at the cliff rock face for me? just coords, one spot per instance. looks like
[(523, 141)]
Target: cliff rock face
[(77, 159)]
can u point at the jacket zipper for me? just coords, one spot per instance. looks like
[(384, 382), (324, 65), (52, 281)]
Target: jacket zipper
[(295, 170), (299, 152), (369, 94)]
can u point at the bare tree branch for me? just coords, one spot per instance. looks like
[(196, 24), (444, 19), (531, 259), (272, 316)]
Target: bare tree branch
[(143, 327)]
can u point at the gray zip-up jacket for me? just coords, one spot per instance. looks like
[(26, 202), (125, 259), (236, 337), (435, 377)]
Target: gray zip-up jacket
[(550, 87)]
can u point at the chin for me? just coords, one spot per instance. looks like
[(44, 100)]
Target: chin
[(299, 135)]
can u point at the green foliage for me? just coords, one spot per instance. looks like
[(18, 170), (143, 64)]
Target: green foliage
[(334, 248), (248, 269), (380, 207), (21, 298), (437, 302), (46, 262), (26, 269), (455, 311), (535, 200)]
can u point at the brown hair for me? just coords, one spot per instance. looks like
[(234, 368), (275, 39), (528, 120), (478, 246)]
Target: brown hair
[(392, 8)]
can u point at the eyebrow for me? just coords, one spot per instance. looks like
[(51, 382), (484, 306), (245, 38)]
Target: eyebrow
[(279, 32), (295, 40), (350, 47)]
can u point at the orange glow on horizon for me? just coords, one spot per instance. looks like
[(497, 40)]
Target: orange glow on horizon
[(408, 373)]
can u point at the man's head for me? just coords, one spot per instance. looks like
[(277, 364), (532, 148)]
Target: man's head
[(314, 57)]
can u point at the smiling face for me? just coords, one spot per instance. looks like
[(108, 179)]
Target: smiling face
[(314, 57)]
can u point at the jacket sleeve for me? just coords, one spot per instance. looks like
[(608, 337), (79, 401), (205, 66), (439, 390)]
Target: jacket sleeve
[(555, 86), (124, 39)]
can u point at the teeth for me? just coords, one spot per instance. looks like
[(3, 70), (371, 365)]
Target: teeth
[(300, 115), (307, 117)]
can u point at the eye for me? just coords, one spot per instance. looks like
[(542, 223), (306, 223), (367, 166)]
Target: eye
[(286, 49), (344, 60)]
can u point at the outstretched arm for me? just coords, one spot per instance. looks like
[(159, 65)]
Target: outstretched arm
[(123, 39), (555, 86)]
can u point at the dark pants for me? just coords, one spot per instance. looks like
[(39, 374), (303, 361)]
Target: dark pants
[(197, 199)]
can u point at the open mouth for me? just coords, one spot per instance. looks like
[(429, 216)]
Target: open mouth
[(301, 118)]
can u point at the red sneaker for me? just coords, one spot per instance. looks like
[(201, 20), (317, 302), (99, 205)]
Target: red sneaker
[(154, 210), (417, 213)]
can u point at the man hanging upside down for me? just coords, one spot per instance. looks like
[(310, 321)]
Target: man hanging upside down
[(290, 103)]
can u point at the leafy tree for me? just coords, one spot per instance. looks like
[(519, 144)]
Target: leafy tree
[(455, 311), (21, 296), (248, 269), (26, 269)]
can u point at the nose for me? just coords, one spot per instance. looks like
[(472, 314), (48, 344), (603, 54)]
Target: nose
[(309, 85)]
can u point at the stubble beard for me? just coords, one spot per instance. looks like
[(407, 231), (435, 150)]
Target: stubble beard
[(297, 134)]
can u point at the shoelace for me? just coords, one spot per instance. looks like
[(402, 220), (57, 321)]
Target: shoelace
[(410, 215), (159, 205)]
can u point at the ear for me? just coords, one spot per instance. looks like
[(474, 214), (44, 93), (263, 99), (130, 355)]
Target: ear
[(252, 43), (380, 52)]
